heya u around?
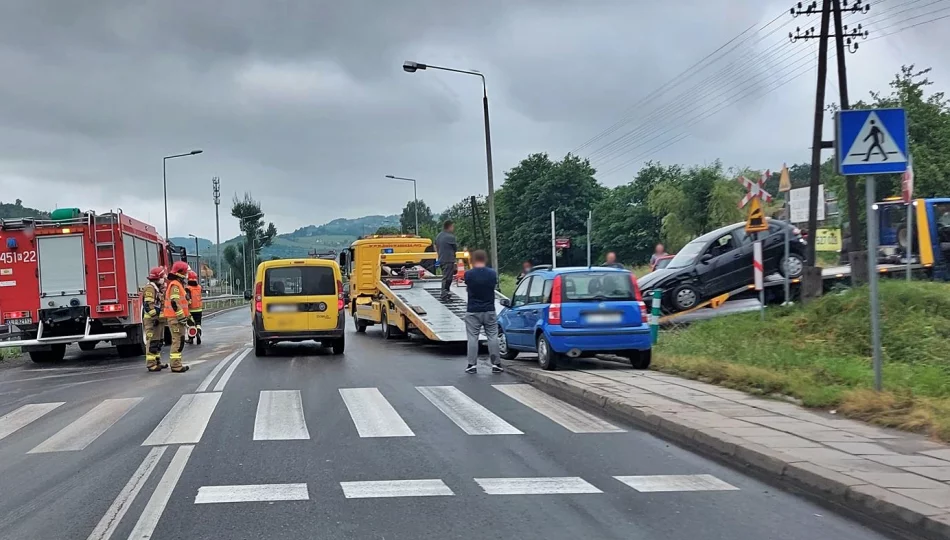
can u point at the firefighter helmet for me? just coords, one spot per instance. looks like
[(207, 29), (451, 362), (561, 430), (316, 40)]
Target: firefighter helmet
[(180, 269), (156, 273), (192, 276)]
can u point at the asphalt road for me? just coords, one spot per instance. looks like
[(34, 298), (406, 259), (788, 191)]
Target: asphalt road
[(270, 448)]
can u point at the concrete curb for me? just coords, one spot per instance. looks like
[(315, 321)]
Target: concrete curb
[(878, 504)]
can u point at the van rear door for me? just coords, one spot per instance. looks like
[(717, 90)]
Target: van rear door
[(299, 297), (598, 299)]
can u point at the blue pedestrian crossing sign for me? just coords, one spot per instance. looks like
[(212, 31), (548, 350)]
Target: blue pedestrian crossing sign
[(871, 141)]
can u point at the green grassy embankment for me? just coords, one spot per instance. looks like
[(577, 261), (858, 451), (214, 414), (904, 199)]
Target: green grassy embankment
[(819, 353)]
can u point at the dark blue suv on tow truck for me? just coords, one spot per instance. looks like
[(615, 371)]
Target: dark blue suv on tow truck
[(576, 311)]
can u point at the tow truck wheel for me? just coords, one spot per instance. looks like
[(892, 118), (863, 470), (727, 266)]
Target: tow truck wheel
[(386, 328), (360, 325), (87, 345), (55, 354)]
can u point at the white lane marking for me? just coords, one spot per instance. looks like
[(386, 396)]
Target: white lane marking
[(145, 526), (214, 372), (280, 416), (113, 516), (186, 422), (372, 413), (25, 415), (536, 486), (569, 416), (87, 427), (466, 412), (252, 493), (227, 373), (685, 482), (395, 488)]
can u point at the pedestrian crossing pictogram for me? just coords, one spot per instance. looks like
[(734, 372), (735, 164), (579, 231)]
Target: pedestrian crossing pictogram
[(872, 141)]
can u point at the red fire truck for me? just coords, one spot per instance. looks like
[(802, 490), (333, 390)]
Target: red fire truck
[(76, 278)]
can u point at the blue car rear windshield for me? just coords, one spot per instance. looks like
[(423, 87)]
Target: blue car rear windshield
[(596, 286), (299, 281)]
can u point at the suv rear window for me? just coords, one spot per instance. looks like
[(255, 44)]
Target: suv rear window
[(299, 281), (597, 286)]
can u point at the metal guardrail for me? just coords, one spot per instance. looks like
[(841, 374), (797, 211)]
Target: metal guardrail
[(223, 301)]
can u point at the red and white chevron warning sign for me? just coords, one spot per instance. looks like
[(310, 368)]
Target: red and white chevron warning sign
[(757, 264)]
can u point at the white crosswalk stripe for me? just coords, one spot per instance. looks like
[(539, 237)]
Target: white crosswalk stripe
[(395, 488), (662, 483), (280, 416), (18, 418), (569, 416), (372, 413), (186, 422), (252, 493), (88, 427), (536, 486), (467, 413)]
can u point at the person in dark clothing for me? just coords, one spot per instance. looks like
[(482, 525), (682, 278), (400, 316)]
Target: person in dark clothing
[(526, 268), (612, 260), (445, 246), (480, 313)]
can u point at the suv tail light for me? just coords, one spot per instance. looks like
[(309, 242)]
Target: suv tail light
[(554, 310), (638, 296), (339, 295), (258, 297)]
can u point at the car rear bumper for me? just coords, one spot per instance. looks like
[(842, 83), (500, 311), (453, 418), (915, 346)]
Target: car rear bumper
[(299, 335), (563, 340)]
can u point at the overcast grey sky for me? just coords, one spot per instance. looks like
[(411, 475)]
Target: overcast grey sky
[(305, 104)]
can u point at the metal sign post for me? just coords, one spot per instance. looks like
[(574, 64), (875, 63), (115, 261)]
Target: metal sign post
[(758, 270), (590, 216), (785, 186), (553, 243), (756, 223), (872, 142), (907, 191)]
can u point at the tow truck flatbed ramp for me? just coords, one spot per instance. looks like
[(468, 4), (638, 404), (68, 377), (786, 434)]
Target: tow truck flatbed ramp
[(438, 320)]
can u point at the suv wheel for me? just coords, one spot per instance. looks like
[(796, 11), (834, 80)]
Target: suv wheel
[(547, 358)]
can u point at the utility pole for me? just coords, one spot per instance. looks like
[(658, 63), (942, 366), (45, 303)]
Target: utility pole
[(843, 37), (216, 195)]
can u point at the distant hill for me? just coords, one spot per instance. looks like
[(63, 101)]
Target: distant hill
[(335, 235), (17, 210)]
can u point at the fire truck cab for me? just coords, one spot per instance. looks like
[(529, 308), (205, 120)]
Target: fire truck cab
[(76, 278)]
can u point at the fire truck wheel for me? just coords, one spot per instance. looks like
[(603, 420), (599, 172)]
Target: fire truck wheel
[(130, 350), (55, 354), (87, 345)]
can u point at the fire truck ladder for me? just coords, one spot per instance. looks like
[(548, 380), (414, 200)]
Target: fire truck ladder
[(104, 237)]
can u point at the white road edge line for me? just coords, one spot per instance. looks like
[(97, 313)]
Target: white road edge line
[(227, 373), (214, 372), (252, 493), (372, 414), (674, 482), (280, 416), (88, 427), (536, 486), (147, 522), (25, 415), (113, 516), (395, 488)]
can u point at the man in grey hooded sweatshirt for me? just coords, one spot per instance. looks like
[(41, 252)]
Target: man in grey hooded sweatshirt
[(445, 246)]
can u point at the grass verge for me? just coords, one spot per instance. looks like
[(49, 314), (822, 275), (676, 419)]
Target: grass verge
[(820, 354)]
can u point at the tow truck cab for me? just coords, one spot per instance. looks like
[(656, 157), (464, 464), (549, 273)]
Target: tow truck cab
[(931, 238), (75, 278)]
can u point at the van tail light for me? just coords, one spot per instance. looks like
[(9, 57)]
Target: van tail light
[(638, 296), (258, 297), (339, 295), (554, 310)]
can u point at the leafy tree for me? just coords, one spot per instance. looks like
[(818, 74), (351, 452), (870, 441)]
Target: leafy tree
[(387, 230), (513, 210), (407, 220), (694, 202), (623, 222), (465, 217), (251, 221)]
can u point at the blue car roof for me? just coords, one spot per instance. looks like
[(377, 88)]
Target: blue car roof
[(571, 269)]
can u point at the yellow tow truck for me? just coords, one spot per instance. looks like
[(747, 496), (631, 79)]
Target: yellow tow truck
[(393, 284)]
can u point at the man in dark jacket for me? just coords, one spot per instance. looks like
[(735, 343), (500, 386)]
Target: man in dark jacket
[(480, 315), (445, 246)]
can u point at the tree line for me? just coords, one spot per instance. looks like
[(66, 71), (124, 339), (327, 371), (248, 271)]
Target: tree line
[(669, 204)]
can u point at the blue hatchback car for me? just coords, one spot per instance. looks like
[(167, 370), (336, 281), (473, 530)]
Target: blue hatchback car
[(576, 312)]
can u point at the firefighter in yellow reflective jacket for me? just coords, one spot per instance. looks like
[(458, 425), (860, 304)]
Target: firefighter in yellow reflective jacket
[(195, 304), (176, 313), (152, 321)]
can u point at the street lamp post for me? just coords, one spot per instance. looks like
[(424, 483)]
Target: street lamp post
[(412, 67), (244, 245), (197, 258), (165, 183), (415, 198)]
